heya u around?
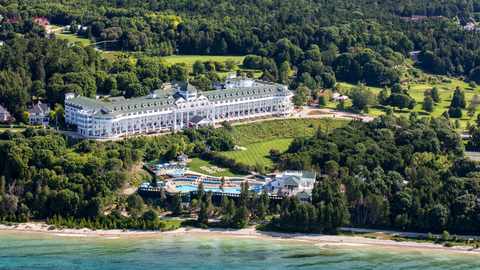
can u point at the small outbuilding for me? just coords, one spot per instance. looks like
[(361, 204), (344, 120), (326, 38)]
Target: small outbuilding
[(182, 157), (198, 121)]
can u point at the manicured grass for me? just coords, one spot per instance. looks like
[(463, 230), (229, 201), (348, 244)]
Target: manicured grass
[(276, 129), (74, 38), (53, 27), (417, 92), (259, 152), (196, 163), (190, 59)]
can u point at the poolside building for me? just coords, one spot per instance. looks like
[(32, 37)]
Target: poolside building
[(291, 183), (182, 157), (175, 108)]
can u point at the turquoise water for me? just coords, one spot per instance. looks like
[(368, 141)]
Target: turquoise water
[(190, 188), (47, 251), (177, 173)]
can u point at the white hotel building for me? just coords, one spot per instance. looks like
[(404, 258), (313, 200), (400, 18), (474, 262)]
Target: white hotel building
[(172, 108)]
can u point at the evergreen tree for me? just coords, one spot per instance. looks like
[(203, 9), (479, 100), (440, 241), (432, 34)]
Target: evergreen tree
[(2, 185), (458, 99), (322, 100), (202, 219), (383, 96), (428, 104), (241, 218), (177, 204), (244, 194), (222, 183), (435, 94), (200, 192), (472, 108)]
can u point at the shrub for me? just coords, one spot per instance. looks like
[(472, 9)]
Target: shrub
[(445, 236), (448, 244)]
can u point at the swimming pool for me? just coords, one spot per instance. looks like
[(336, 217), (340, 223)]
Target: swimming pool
[(176, 173), (190, 188)]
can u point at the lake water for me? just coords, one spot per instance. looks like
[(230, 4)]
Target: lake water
[(48, 251)]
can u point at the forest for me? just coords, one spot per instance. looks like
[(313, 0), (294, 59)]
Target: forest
[(319, 41), (46, 174), (392, 172), (388, 173)]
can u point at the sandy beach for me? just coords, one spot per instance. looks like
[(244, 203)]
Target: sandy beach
[(317, 239)]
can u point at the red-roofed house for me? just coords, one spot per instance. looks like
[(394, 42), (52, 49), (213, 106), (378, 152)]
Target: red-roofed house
[(14, 20), (42, 20)]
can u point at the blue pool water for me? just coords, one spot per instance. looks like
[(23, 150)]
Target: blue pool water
[(190, 188), (177, 173)]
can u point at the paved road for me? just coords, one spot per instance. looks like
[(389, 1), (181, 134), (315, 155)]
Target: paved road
[(332, 113), (410, 234), (303, 114)]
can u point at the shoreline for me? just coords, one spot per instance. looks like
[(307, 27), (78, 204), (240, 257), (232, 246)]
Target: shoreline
[(315, 239)]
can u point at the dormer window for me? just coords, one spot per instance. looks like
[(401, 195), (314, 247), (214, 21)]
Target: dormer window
[(215, 96), (130, 106), (157, 103), (124, 108), (150, 104), (221, 96), (170, 102), (244, 93), (137, 106)]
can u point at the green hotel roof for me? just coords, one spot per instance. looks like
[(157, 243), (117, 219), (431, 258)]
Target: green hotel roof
[(170, 96), (292, 180), (305, 174), (239, 92), (93, 104), (308, 174), (304, 194)]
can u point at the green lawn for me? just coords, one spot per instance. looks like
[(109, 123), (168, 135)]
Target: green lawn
[(196, 163), (53, 27), (259, 152), (269, 130), (74, 38), (417, 92), (190, 59)]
